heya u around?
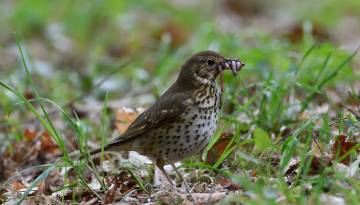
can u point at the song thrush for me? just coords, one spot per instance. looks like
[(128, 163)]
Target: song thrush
[(183, 120)]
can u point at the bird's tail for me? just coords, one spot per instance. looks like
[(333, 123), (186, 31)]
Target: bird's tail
[(96, 151)]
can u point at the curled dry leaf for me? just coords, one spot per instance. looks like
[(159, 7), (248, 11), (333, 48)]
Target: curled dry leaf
[(340, 147), (112, 192)]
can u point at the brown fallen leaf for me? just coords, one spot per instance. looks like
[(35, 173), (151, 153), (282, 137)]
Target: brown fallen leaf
[(343, 147), (3, 191), (107, 181), (18, 185), (112, 192), (48, 145), (219, 147)]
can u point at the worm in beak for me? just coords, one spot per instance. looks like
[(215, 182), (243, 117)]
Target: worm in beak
[(231, 64)]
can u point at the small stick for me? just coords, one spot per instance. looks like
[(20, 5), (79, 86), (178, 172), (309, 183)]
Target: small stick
[(183, 179)]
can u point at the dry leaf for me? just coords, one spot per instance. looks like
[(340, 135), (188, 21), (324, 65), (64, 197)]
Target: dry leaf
[(48, 145), (218, 149), (18, 185), (107, 181), (112, 192), (343, 147)]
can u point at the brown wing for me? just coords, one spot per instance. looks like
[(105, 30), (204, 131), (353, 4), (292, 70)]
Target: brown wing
[(164, 111)]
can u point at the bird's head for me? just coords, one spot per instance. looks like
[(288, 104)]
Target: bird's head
[(205, 66)]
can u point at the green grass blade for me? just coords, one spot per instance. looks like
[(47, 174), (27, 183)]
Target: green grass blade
[(314, 90), (31, 107), (53, 133), (323, 67), (302, 157), (303, 125), (136, 179), (287, 151), (103, 136), (304, 57), (223, 156), (333, 74)]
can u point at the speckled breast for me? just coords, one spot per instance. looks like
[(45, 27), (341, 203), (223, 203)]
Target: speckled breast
[(191, 132)]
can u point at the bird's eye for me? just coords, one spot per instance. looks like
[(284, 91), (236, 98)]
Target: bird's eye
[(210, 62)]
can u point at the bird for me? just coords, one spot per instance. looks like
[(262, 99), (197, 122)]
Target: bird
[(184, 119)]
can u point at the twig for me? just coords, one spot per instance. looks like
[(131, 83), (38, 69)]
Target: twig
[(183, 179), (80, 97), (123, 194), (333, 123)]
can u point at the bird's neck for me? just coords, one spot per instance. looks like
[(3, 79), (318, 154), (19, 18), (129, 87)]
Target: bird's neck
[(189, 81), (207, 95)]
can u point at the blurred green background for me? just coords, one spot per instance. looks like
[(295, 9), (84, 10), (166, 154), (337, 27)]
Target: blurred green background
[(71, 45)]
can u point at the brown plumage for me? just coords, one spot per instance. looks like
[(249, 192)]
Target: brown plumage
[(184, 118)]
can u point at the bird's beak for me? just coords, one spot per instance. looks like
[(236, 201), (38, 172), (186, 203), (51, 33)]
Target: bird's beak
[(232, 64)]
